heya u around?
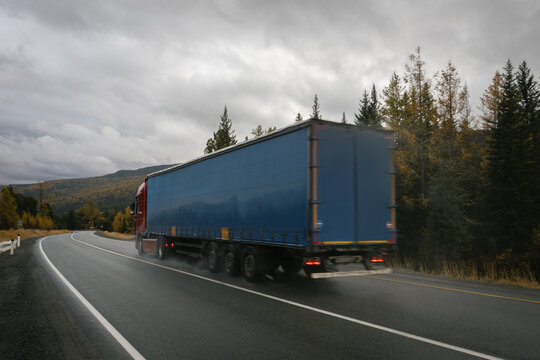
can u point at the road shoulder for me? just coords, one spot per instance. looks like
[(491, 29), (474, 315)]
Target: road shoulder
[(34, 322)]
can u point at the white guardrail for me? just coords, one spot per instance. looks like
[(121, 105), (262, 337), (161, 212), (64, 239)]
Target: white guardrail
[(10, 245)]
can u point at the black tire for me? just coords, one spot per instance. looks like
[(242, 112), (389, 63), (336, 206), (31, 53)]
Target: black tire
[(252, 263), (231, 260), (291, 265), (140, 247), (366, 259), (161, 250), (213, 257)]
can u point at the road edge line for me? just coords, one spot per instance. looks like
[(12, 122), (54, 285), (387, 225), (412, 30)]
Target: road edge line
[(306, 307), (106, 324)]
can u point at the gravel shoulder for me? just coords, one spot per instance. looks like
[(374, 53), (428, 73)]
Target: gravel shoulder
[(34, 322)]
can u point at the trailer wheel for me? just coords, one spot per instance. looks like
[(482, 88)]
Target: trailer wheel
[(252, 263), (231, 260), (212, 257), (140, 247), (161, 248)]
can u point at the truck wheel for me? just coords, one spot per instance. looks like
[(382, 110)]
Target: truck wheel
[(161, 248), (212, 257), (140, 247), (252, 264), (231, 260)]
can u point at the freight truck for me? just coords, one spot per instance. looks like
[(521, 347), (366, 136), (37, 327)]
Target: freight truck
[(315, 196)]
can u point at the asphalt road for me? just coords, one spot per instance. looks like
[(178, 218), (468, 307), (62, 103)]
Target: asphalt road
[(178, 309)]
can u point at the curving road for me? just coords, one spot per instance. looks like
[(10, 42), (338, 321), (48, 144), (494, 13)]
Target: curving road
[(140, 307)]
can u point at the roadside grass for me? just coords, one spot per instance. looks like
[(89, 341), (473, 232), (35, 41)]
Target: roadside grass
[(117, 235), (6, 235), (488, 271)]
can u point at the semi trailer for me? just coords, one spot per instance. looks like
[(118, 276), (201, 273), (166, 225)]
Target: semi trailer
[(315, 195)]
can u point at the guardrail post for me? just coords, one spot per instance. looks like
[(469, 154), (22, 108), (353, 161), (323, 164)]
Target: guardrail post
[(12, 247), (18, 240)]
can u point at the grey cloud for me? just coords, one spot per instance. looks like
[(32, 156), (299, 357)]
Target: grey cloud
[(90, 87)]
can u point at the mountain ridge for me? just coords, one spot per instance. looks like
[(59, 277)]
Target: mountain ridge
[(112, 191)]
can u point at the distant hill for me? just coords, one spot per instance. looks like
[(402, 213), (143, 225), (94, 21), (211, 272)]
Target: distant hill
[(113, 191)]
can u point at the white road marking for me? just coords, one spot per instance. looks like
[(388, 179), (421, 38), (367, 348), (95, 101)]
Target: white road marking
[(307, 307), (121, 340)]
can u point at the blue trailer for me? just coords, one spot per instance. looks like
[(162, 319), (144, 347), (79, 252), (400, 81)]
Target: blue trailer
[(313, 195)]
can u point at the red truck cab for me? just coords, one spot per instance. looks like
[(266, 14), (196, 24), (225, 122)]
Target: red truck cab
[(140, 209)]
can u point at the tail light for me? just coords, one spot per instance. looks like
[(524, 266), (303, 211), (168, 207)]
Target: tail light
[(377, 259), (313, 261)]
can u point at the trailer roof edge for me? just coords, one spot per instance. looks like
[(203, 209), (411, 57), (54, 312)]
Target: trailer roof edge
[(275, 133)]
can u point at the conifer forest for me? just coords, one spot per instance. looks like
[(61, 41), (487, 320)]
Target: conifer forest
[(468, 184), (468, 179)]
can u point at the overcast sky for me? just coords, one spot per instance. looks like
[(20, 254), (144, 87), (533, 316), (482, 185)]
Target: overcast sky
[(91, 87)]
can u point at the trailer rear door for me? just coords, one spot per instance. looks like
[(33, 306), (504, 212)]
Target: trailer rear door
[(352, 187)]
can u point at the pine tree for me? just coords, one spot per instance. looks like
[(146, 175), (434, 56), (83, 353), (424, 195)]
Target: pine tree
[(529, 171), (471, 167), (446, 226), (343, 118), (490, 101), (394, 110), (450, 105), (394, 103), (489, 120), (409, 110), (362, 117), (315, 112), (448, 88), (529, 94), (505, 155), (369, 112), (374, 109), (223, 137), (421, 116), (298, 118), (8, 210)]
